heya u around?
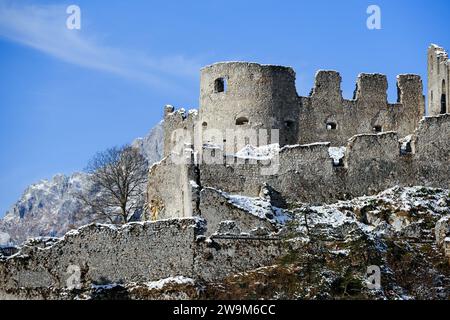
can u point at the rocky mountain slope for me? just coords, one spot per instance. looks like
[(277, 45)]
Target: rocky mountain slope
[(49, 207)]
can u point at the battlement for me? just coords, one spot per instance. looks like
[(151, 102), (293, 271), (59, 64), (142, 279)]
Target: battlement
[(371, 87), (243, 95)]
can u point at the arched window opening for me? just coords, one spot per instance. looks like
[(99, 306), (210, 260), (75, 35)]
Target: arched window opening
[(204, 124), (331, 126), (377, 129), (241, 121), (220, 85)]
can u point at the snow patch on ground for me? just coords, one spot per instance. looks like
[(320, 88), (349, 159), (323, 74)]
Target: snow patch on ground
[(337, 153), (259, 153), (160, 284), (259, 207)]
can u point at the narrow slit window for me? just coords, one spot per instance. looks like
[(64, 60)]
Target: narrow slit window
[(443, 104), (444, 98)]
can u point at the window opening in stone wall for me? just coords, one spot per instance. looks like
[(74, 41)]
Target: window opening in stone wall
[(331, 125), (220, 85), (289, 124), (377, 129), (241, 121), (443, 98)]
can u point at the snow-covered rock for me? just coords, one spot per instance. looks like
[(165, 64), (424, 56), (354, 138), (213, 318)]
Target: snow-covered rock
[(337, 153), (259, 153)]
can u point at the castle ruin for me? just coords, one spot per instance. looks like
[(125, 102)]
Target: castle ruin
[(438, 80), (226, 215), (381, 144)]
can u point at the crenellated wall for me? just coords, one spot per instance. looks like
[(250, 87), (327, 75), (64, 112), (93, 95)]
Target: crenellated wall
[(326, 116), (240, 95)]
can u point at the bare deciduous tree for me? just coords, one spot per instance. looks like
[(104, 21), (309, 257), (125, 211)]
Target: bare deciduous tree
[(118, 178)]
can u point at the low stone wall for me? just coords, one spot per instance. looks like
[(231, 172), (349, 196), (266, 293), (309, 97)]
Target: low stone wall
[(102, 254), (134, 253)]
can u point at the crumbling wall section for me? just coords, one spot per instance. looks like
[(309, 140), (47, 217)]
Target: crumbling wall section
[(432, 152), (226, 255), (438, 80), (97, 255), (103, 254), (325, 116), (178, 128), (172, 189)]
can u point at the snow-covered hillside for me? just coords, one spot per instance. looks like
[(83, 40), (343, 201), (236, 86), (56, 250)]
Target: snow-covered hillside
[(50, 208)]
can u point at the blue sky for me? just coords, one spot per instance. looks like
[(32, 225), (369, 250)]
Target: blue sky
[(65, 94)]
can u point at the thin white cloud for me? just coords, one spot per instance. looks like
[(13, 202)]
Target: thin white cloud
[(43, 27)]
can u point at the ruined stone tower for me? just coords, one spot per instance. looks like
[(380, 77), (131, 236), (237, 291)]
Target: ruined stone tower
[(242, 95), (438, 81)]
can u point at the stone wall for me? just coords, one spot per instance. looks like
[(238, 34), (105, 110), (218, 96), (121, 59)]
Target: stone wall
[(141, 252), (227, 255), (135, 253), (215, 208), (170, 190), (431, 160), (254, 96), (178, 126), (326, 117), (438, 80), (372, 163), (241, 96)]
